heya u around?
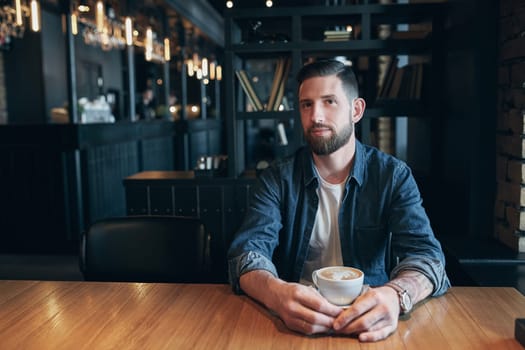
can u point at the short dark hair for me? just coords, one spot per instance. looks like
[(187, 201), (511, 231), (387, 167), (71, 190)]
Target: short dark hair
[(326, 67)]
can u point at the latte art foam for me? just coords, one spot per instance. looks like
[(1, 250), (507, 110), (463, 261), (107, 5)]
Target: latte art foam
[(340, 274)]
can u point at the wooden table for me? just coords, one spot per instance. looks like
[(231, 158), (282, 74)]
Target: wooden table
[(90, 315)]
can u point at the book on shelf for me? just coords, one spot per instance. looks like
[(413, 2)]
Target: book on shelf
[(337, 35), (282, 70), (245, 89), (393, 91), (278, 87), (388, 77), (419, 71), (337, 32), (282, 84), (403, 82), (246, 85), (405, 89), (279, 69), (385, 135), (335, 39), (419, 81)]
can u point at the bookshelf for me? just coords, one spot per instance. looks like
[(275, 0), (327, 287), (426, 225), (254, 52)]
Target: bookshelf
[(299, 34)]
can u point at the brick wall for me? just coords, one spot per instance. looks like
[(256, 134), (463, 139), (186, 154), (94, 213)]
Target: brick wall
[(510, 138)]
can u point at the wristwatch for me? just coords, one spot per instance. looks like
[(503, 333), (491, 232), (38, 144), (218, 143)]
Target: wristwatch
[(405, 302)]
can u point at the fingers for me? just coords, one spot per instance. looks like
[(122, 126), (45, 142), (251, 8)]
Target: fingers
[(376, 335), (373, 316), (361, 306), (306, 311), (315, 301), (370, 321), (308, 328)]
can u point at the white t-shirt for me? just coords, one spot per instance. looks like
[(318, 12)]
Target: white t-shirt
[(325, 245)]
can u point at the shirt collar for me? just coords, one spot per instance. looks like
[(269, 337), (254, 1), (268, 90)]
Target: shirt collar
[(357, 172), (308, 166)]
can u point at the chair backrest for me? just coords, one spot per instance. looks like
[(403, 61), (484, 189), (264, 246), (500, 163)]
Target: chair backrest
[(145, 249)]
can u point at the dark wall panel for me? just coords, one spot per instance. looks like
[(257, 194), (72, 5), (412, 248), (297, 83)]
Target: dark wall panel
[(106, 167)]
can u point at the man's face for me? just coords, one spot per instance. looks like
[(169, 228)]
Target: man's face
[(326, 114)]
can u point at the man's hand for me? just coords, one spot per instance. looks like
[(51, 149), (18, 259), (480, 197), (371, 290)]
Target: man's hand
[(373, 315), (301, 308)]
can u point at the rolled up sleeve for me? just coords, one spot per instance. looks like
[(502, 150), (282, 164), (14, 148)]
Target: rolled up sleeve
[(433, 269), (249, 261)]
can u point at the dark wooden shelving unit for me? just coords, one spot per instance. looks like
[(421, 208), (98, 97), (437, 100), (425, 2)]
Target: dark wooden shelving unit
[(302, 28)]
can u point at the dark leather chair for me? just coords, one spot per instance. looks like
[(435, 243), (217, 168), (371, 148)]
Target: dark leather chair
[(145, 249)]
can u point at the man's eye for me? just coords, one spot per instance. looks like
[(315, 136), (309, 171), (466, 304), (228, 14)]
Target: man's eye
[(306, 105), (330, 101)]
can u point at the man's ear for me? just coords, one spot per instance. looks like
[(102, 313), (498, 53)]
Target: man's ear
[(358, 109)]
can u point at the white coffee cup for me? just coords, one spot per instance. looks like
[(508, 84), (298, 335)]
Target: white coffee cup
[(340, 285)]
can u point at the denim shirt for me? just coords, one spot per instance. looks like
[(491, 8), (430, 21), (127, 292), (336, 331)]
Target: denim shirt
[(383, 226)]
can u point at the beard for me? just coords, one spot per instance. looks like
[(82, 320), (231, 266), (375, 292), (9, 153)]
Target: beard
[(326, 145)]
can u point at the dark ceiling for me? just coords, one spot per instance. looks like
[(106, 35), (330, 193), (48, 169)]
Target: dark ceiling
[(220, 5)]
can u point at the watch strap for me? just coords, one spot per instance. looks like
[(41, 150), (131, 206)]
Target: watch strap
[(405, 301), (395, 286)]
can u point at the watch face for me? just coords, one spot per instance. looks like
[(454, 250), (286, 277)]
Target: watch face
[(405, 301)]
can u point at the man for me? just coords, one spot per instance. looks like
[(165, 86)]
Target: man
[(336, 202)]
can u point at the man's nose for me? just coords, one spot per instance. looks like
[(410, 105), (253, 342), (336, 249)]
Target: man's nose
[(317, 113)]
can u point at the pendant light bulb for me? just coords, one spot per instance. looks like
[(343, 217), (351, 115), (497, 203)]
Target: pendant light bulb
[(167, 50), (129, 31), (18, 13), (74, 24), (35, 15), (99, 16)]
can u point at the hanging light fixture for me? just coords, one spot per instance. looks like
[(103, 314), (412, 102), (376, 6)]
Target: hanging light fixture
[(148, 44), (212, 70), (100, 16), (13, 19), (128, 24), (102, 27), (74, 24), (18, 13), (167, 51), (218, 73), (98, 28), (203, 68), (35, 16)]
